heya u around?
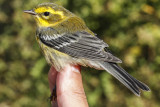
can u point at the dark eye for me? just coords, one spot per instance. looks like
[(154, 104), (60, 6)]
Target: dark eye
[(46, 13)]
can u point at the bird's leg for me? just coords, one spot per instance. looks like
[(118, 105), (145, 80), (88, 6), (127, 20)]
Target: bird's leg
[(53, 96)]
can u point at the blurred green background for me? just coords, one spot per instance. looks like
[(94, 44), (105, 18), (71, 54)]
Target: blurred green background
[(130, 27)]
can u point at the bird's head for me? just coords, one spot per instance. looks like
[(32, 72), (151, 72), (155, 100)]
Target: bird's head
[(49, 14)]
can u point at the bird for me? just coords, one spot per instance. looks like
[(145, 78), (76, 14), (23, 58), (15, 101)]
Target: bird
[(64, 38)]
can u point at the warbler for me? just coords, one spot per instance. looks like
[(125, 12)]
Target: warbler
[(65, 39)]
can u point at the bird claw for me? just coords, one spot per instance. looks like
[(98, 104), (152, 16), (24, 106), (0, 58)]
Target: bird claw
[(53, 96)]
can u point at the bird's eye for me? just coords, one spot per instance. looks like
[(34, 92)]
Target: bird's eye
[(46, 13)]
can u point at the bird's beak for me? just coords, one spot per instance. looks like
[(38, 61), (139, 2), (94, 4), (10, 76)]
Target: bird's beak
[(29, 12)]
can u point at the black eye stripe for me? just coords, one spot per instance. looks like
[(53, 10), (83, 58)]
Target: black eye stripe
[(46, 13)]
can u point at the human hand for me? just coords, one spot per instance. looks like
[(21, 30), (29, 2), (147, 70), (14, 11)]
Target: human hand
[(69, 87)]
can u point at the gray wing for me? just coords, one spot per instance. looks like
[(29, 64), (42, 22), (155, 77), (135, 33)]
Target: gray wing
[(78, 45)]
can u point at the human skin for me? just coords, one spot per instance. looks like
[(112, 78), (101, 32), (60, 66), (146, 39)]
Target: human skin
[(69, 87)]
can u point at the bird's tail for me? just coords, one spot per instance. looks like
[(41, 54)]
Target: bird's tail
[(119, 73)]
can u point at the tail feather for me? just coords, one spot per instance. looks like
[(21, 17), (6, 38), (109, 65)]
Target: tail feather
[(119, 73)]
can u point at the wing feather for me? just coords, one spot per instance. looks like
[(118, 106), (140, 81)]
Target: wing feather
[(79, 45)]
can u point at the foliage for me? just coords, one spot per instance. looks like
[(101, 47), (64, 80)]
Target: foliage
[(130, 27)]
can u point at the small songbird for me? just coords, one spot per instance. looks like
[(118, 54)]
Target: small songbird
[(65, 39)]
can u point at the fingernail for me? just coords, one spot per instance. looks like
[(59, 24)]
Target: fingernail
[(75, 68)]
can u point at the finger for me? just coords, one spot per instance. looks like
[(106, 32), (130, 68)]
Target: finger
[(52, 75), (70, 92)]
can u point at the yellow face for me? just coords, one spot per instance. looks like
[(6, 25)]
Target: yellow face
[(49, 14)]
